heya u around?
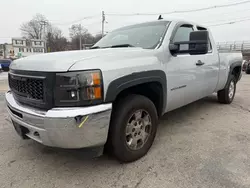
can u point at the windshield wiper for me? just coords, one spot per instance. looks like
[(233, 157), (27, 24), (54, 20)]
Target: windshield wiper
[(114, 46), (95, 47), (121, 46)]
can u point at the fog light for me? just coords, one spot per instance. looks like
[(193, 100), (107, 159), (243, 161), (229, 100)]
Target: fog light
[(73, 94)]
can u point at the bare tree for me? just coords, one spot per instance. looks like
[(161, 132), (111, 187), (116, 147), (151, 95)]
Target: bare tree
[(55, 39), (76, 30), (33, 29), (97, 38)]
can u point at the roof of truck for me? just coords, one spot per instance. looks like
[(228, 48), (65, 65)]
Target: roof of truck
[(174, 19), (168, 19)]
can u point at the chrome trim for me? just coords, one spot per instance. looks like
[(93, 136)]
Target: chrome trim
[(27, 76), (57, 112), (60, 127)]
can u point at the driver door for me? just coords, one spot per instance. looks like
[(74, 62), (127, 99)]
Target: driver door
[(185, 79)]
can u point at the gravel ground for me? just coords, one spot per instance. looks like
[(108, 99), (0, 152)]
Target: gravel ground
[(204, 144)]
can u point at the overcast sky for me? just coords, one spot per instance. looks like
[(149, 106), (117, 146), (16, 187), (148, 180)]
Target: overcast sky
[(62, 12)]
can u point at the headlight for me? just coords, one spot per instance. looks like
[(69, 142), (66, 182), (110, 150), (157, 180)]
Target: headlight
[(78, 88)]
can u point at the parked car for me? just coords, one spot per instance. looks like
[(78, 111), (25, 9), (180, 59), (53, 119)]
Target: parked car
[(5, 63), (248, 67), (1, 68), (244, 65), (113, 94)]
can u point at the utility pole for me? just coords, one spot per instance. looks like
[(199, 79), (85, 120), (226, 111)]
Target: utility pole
[(44, 23), (103, 22), (80, 33), (4, 50)]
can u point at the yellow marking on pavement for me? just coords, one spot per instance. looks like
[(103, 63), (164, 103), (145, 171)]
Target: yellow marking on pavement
[(81, 124)]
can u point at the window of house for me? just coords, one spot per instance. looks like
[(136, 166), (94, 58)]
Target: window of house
[(27, 49), (19, 49), (37, 42), (19, 42), (22, 49), (30, 49)]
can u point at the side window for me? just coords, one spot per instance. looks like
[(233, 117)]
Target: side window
[(182, 33)]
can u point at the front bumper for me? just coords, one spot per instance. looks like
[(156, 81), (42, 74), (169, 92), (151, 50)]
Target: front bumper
[(77, 127)]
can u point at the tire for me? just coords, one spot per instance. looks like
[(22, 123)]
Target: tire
[(129, 110), (5, 69), (224, 96), (248, 71)]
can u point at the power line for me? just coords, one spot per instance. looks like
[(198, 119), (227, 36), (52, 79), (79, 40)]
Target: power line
[(93, 23), (226, 13), (216, 21), (182, 11), (75, 21), (228, 23)]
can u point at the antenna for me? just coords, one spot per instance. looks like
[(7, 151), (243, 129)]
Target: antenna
[(160, 17)]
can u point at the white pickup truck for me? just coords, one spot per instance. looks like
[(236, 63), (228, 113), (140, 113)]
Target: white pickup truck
[(113, 94)]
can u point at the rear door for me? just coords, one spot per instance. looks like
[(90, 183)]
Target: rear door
[(185, 78)]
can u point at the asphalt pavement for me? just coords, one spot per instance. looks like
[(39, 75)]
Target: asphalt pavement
[(3, 75), (204, 144)]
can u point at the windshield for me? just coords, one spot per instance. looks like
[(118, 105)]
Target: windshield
[(146, 35), (5, 61)]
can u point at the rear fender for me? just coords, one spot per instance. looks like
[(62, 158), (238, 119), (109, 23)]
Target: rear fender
[(232, 66)]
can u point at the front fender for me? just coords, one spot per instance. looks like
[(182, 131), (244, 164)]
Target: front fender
[(137, 78)]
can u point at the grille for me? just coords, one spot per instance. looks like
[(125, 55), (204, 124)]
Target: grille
[(31, 88)]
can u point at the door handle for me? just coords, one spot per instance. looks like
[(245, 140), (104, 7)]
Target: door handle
[(199, 63)]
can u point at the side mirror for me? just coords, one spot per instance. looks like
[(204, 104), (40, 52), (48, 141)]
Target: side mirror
[(201, 42), (198, 44)]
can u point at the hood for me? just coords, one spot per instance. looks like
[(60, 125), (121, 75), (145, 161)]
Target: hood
[(63, 61)]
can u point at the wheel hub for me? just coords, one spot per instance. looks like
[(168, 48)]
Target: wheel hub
[(231, 90), (138, 129)]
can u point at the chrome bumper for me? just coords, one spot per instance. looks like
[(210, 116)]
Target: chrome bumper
[(77, 127)]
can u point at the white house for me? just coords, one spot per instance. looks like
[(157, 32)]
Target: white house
[(6, 51), (26, 47)]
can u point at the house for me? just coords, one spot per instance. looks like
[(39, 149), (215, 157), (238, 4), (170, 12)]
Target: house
[(6, 51), (26, 47)]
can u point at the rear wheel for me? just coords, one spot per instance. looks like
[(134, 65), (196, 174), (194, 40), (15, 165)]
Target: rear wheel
[(226, 95), (247, 71), (133, 127)]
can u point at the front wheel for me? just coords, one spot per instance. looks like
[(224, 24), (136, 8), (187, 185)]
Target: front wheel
[(133, 127), (226, 96)]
